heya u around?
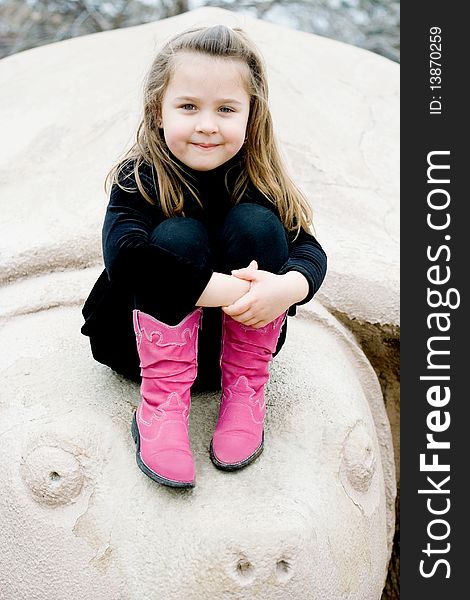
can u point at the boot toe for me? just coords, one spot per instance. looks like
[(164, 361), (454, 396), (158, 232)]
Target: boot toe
[(235, 449), (172, 466)]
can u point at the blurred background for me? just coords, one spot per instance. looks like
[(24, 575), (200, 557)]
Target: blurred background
[(369, 24)]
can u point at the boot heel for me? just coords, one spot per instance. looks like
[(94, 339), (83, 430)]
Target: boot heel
[(134, 431)]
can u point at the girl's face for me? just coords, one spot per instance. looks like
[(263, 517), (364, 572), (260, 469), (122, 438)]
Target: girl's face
[(205, 110)]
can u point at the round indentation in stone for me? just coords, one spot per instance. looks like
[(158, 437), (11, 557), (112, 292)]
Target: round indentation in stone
[(244, 571), (283, 570), (244, 567), (359, 461), (53, 475)]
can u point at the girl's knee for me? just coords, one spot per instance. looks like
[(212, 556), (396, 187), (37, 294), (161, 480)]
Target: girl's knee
[(182, 236), (254, 224), (252, 231)]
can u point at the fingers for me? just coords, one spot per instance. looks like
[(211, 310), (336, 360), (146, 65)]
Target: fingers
[(237, 309), (245, 315), (255, 323), (259, 324), (248, 319), (247, 272)]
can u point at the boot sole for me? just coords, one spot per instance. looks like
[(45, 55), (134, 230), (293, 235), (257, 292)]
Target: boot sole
[(235, 466), (143, 467)]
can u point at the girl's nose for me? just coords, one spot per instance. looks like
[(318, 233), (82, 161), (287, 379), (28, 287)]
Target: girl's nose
[(206, 124)]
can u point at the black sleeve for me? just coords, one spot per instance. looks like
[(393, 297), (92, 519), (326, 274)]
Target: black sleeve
[(128, 254), (308, 257)]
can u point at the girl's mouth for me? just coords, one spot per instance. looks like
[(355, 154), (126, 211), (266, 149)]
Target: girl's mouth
[(206, 146)]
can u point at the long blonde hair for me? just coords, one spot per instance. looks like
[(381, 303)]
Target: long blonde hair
[(260, 155)]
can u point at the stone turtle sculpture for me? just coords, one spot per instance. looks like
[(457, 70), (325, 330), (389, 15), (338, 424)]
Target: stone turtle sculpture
[(313, 518), (308, 520)]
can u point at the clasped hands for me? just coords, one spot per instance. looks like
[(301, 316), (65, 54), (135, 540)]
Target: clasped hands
[(269, 295)]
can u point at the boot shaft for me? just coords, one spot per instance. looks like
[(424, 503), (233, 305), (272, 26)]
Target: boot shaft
[(168, 356), (155, 339), (247, 351)]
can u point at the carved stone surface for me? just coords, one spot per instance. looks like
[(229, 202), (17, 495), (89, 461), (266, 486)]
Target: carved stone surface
[(313, 517), (307, 520)]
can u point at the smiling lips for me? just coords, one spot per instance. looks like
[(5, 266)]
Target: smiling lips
[(205, 146)]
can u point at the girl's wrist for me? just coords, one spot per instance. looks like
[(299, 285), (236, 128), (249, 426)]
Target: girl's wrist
[(235, 288), (298, 286), (223, 290)]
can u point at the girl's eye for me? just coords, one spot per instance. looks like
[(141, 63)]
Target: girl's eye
[(226, 109), (187, 106)]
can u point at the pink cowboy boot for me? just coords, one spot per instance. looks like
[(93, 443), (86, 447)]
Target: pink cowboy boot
[(245, 357), (168, 361)]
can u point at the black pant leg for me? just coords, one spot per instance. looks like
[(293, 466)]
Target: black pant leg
[(171, 290), (168, 292), (251, 232)]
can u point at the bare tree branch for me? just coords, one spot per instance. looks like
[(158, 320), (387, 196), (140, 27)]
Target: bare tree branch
[(101, 23), (371, 24)]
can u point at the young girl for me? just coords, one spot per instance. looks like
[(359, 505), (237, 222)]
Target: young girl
[(203, 225)]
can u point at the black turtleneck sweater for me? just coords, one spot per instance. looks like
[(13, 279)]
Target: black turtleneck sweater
[(130, 219)]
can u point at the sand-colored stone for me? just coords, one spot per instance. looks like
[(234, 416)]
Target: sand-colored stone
[(314, 517), (308, 520)]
